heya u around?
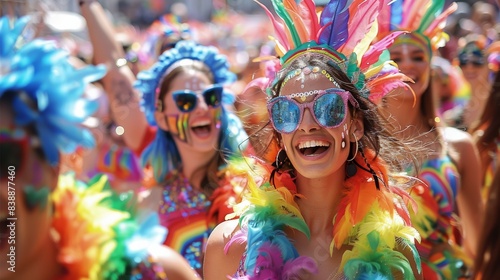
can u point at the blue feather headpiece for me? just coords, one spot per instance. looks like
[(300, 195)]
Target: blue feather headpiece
[(162, 154), (148, 81), (48, 90)]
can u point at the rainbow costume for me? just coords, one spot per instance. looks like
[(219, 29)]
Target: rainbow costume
[(436, 220), (369, 220), (98, 235), (372, 219), (189, 213), (93, 227)]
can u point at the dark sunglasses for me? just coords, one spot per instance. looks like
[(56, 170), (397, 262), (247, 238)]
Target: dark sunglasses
[(473, 62), (329, 109), (186, 100)]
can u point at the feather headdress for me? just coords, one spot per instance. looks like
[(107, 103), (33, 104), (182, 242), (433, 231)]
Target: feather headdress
[(47, 90), (344, 32), (424, 18)]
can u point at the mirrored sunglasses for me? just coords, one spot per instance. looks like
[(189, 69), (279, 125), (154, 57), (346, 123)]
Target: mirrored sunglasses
[(329, 109)]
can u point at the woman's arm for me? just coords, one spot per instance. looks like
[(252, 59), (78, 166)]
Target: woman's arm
[(174, 265), (469, 202), (219, 265), (118, 82)]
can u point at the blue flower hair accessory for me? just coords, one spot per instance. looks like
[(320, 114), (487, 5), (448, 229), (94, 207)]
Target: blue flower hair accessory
[(47, 90), (149, 80)]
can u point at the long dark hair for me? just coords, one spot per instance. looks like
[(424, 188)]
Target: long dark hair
[(489, 120), (488, 255)]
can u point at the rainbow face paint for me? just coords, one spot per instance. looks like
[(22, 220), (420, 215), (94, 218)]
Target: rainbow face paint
[(415, 39)]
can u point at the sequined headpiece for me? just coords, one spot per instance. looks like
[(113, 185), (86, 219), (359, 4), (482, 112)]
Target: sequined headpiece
[(47, 90), (148, 81), (344, 33), (162, 154)]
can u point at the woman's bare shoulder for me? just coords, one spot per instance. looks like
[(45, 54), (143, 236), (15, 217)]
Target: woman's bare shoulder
[(223, 233), (174, 265), (221, 260), (456, 136)]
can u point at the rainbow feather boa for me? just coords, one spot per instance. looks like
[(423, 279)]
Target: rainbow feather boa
[(97, 234), (375, 223)]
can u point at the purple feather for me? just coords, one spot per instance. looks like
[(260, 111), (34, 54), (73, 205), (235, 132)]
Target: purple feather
[(294, 268), (337, 12), (240, 237)]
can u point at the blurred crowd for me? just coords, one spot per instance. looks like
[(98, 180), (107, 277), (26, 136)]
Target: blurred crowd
[(139, 43)]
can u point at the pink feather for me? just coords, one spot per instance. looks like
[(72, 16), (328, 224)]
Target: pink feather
[(278, 27), (384, 24), (385, 84), (431, 30), (372, 55), (360, 24), (301, 27), (408, 200), (412, 16), (240, 237), (310, 7)]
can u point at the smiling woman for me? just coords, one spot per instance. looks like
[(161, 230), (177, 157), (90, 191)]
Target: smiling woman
[(180, 119), (452, 208), (323, 202)]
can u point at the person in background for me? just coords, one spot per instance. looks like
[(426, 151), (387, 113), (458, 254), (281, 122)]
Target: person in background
[(486, 135), (473, 60), (488, 254), (182, 127), (320, 203), (450, 166)]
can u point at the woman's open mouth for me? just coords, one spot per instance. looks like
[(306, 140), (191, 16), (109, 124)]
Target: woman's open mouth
[(202, 129), (313, 147)]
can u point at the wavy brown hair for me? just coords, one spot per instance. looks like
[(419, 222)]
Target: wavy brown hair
[(377, 135)]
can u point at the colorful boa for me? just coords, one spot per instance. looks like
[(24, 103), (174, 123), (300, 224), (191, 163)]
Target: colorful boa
[(97, 234), (374, 222)]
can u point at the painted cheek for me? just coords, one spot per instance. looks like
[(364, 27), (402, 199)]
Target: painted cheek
[(178, 125), (216, 116)]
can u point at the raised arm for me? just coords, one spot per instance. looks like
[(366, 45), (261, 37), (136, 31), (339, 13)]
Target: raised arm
[(118, 82), (469, 202)]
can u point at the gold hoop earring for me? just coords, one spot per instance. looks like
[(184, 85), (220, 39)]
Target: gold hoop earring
[(357, 146)]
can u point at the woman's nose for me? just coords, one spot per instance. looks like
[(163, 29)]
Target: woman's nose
[(201, 104), (308, 122)]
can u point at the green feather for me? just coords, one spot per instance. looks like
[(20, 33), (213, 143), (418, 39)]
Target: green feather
[(282, 13), (431, 14)]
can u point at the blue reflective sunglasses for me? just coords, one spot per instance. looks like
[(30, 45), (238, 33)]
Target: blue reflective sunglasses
[(186, 100), (329, 109)]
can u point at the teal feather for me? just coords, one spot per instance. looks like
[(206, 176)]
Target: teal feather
[(283, 14)]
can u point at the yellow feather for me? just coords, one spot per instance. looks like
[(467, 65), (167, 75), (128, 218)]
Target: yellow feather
[(361, 48)]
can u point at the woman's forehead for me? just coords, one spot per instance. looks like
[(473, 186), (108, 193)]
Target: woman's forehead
[(191, 79), (306, 82)]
